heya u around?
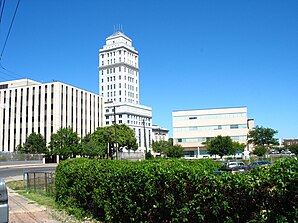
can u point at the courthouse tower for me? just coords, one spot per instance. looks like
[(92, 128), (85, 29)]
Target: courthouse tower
[(119, 86), (119, 70)]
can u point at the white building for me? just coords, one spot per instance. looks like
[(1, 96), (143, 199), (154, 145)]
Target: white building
[(193, 127), (119, 85), (159, 133), (28, 106)]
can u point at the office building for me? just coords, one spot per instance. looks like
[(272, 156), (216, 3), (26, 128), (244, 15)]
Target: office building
[(29, 106), (193, 127), (119, 85)]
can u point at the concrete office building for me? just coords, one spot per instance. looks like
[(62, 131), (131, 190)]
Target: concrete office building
[(193, 127), (28, 106), (119, 85)]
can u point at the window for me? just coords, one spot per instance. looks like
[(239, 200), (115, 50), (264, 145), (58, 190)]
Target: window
[(102, 63), (102, 55), (119, 85), (234, 126), (102, 72), (102, 80), (119, 69)]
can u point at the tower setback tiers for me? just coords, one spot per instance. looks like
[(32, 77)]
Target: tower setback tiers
[(119, 70)]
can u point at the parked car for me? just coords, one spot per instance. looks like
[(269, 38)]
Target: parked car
[(234, 164), (234, 167), (260, 163)]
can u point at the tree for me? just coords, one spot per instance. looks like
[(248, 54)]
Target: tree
[(263, 137), (260, 151), (161, 146), (34, 144), (104, 139), (89, 147), (175, 151), (237, 147), (65, 143), (293, 148), (220, 145)]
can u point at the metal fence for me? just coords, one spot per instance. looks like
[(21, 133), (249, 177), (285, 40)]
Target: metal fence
[(41, 181), (14, 156)]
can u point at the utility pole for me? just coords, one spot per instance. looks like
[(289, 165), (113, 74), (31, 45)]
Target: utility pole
[(116, 146), (145, 137)]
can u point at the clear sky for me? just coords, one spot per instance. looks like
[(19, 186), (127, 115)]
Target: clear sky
[(194, 54)]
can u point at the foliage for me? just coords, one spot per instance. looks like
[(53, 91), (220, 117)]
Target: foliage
[(264, 137), (220, 145), (167, 148), (34, 144), (160, 146), (104, 139), (260, 150), (148, 155), (293, 148), (175, 151), (65, 143), (167, 190), (237, 147), (90, 147)]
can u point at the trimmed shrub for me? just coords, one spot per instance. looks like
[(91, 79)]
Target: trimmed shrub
[(167, 190)]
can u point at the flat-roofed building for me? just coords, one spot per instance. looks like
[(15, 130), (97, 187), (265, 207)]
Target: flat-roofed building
[(193, 127), (28, 106)]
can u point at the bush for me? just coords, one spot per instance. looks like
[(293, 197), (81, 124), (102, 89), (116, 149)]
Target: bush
[(177, 190)]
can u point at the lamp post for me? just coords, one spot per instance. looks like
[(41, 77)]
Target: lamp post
[(145, 136)]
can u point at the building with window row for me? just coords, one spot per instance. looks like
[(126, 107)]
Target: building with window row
[(119, 85), (191, 128), (28, 106)]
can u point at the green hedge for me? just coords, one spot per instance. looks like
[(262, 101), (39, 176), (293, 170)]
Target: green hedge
[(177, 191)]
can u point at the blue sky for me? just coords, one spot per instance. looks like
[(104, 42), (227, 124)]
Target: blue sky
[(194, 54)]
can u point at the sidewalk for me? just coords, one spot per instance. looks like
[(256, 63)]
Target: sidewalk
[(23, 210)]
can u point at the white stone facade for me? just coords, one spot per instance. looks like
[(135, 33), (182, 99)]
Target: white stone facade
[(193, 127), (28, 106), (119, 70), (119, 85), (137, 117), (159, 133)]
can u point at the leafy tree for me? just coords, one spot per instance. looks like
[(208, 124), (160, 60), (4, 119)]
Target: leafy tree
[(237, 147), (109, 135), (65, 143), (220, 145), (35, 144), (167, 148), (260, 151), (89, 147), (161, 146), (263, 137), (175, 151), (293, 148)]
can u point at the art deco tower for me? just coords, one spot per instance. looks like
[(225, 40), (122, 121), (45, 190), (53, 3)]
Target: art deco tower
[(119, 70)]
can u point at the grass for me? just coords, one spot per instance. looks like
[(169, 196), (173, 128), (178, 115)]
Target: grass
[(47, 201), (40, 198)]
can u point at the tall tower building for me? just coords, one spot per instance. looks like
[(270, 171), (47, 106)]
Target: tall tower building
[(119, 86), (119, 70)]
